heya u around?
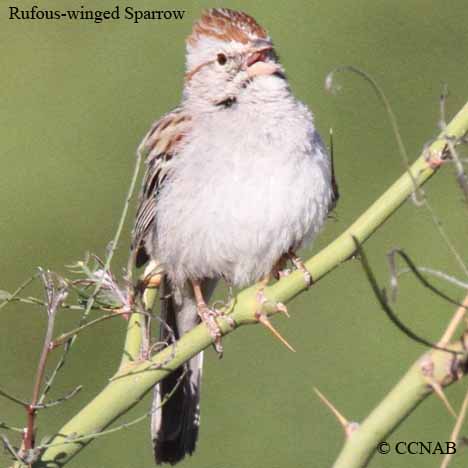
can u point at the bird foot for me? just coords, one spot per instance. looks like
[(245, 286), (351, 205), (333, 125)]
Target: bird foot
[(223, 309), (209, 316), (284, 273), (262, 318), (299, 264)]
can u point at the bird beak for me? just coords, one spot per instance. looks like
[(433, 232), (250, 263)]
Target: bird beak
[(255, 63)]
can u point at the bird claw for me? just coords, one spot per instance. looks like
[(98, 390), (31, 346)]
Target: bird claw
[(224, 311), (284, 273), (208, 317), (299, 264), (282, 309)]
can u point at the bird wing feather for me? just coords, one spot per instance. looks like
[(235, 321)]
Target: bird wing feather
[(161, 144)]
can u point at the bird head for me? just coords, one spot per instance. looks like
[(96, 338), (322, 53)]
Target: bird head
[(226, 52)]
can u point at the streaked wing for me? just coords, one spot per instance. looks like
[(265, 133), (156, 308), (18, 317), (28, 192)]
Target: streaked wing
[(162, 143)]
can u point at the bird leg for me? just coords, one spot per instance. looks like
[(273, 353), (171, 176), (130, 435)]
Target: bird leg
[(299, 264), (263, 318), (208, 317), (224, 308), (279, 269)]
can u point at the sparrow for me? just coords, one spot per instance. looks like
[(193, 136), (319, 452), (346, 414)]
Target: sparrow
[(237, 180)]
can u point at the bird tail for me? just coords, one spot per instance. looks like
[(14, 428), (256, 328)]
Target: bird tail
[(175, 418)]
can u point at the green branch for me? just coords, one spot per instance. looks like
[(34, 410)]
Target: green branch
[(435, 369), (134, 380)]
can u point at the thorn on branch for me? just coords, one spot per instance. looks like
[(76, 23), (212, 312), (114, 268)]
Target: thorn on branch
[(438, 390), (426, 365), (265, 307), (348, 427)]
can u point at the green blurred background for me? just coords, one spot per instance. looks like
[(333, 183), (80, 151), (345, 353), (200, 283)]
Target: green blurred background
[(75, 100)]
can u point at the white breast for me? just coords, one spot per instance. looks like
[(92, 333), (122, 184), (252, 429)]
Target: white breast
[(246, 188)]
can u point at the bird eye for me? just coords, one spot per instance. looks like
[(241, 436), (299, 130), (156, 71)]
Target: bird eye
[(222, 59)]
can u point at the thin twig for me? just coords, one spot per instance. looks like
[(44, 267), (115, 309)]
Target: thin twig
[(35, 301), (54, 298), (8, 427), (18, 290), (459, 169), (90, 302), (417, 191), (456, 319), (9, 448), (330, 86), (382, 298), (456, 430), (73, 440), (12, 398), (61, 362), (437, 273), (415, 270), (58, 401), (64, 337), (118, 232), (440, 229)]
